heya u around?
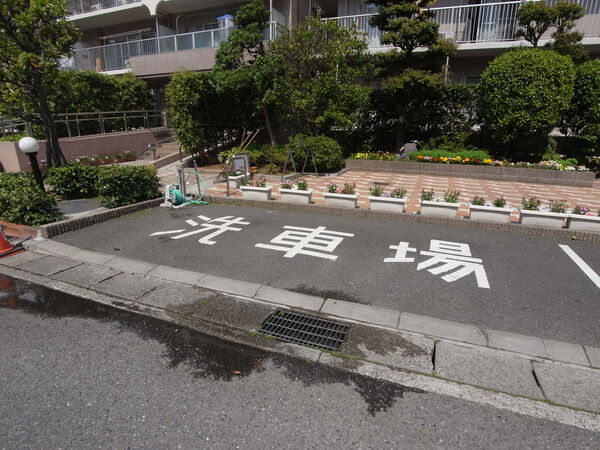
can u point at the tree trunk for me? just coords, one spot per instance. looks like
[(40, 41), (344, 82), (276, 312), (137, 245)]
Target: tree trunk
[(54, 154), (269, 128)]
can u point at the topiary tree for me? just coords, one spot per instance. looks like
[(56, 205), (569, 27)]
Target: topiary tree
[(522, 96), (326, 151), (534, 19), (583, 118)]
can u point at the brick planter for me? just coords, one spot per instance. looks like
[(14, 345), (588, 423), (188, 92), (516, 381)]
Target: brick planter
[(520, 174)]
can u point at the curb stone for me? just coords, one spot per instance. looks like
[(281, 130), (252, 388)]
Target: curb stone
[(407, 376)]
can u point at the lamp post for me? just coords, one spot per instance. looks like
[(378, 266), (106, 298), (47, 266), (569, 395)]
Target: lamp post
[(30, 147)]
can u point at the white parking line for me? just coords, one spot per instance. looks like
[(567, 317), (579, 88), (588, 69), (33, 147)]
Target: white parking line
[(582, 265)]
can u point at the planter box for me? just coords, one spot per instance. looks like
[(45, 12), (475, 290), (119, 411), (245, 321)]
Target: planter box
[(341, 200), (257, 193), (387, 204), (296, 196), (235, 182), (578, 222), (489, 213), (542, 218), (439, 209)]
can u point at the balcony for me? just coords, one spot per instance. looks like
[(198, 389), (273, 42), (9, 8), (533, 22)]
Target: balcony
[(478, 24), (115, 57), (77, 7)]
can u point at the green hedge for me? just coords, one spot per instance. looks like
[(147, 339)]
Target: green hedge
[(22, 201), (124, 185), (326, 151), (74, 181)]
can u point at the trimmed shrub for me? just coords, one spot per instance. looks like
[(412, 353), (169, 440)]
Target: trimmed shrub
[(327, 152), (522, 95), (584, 115), (23, 202), (124, 185), (74, 181)]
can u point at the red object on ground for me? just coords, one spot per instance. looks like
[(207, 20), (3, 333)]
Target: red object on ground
[(11, 302), (5, 246), (5, 282)]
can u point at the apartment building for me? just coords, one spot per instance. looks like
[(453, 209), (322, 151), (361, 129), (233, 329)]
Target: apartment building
[(154, 38)]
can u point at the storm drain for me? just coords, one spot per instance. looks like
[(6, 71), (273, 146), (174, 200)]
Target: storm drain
[(305, 329)]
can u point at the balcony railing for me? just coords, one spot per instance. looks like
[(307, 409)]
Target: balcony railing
[(113, 57), (489, 22), (85, 6)]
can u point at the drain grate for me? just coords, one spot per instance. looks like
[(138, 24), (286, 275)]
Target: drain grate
[(305, 329)]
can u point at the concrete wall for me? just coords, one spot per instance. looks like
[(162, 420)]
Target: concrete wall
[(13, 160)]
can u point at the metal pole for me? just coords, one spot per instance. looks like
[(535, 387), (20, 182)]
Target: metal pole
[(36, 170)]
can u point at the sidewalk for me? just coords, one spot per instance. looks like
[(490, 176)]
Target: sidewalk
[(513, 192), (430, 354)]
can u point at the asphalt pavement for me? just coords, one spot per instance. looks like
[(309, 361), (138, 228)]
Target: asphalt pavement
[(80, 375), (535, 288)]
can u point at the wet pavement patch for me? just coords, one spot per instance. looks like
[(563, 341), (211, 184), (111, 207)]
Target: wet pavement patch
[(329, 293), (205, 356)]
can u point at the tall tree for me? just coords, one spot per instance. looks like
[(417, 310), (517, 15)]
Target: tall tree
[(34, 36)]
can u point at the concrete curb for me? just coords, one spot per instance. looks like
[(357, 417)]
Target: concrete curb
[(369, 315), (502, 379)]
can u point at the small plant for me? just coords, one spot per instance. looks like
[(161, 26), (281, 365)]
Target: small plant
[(302, 185), (398, 193), (234, 173), (331, 188), (376, 191), (558, 206), (531, 204), (478, 201), (349, 189), (244, 182), (581, 210), (261, 182), (427, 195), (287, 185), (451, 196), (500, 202)]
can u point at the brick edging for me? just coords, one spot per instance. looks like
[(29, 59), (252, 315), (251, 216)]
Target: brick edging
[(64, 226), (414, 218), (514, 174)]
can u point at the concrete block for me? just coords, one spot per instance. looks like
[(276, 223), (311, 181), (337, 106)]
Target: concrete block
[(492, 369), (172, 295), (562, 351), (177, 275), (394, 349), (441, 328), (91, 257), (49, 265), (593, 355), (361, 313), (517, 343), (228, 285), (288, 298), (54, 248), (130, 265), (578, 387), (17, 259), (129, 287), (85, 275)]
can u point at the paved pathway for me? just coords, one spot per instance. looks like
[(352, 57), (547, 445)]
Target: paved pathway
[(513, 192)]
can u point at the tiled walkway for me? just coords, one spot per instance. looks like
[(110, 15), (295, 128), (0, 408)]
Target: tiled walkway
[(513, 192)]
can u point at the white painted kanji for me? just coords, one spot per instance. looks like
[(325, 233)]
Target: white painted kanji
[(307, 241), (401, 251), (220, 225), (455, 258)]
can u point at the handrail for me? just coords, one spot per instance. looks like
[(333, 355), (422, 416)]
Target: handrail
[(84, 6)]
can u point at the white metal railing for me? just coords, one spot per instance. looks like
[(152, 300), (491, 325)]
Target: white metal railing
[(84, 6), (488, 22), (111, 57)]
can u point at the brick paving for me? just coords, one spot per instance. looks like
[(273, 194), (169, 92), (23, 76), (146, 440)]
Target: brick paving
[(513, 192)]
